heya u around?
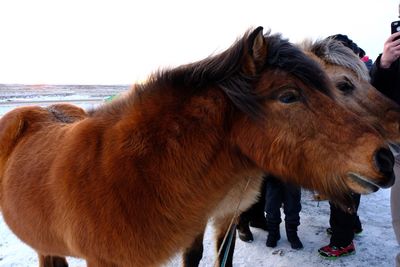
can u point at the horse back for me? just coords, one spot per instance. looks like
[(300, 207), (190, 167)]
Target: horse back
[(18, 121), (67, 113), (15, 123)]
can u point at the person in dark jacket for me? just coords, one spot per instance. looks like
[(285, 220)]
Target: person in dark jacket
[(385, 76), (385, 73)]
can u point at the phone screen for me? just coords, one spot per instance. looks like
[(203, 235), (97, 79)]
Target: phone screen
[(395, 26)]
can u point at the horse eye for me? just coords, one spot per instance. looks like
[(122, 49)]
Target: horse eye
[(345, 87), (289, 97)]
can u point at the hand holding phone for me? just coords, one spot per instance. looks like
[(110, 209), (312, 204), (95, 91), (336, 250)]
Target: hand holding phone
[(391, 46)]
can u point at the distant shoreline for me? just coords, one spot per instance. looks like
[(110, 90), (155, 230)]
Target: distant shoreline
[(13, 85), (28, 91)]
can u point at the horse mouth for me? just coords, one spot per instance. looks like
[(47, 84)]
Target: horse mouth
[(364, 182)]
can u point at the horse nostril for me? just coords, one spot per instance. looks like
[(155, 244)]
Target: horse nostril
[(384, 160)]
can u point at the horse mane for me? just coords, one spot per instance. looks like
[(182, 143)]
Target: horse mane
[(334, 52), (225, 71)]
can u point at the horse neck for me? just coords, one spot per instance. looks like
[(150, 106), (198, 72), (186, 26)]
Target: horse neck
[(186, 144)]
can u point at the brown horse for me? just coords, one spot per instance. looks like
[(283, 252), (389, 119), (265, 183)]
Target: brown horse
[(352, 90), (136, 180)]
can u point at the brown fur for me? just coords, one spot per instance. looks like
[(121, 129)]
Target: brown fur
[(135, 181)]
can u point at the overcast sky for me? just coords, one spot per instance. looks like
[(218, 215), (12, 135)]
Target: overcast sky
[(120, 42)]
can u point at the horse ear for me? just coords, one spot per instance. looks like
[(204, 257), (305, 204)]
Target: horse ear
[(256, 52)]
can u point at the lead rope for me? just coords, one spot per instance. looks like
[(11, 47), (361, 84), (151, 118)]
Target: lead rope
[(229, 244), (231, 231)]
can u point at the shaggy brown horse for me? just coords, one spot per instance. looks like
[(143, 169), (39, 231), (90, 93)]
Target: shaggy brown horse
[(136, 180), (352, 91)]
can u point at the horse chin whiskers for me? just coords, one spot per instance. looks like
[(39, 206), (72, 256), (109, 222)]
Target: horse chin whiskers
[(364, 182), (395, 148)]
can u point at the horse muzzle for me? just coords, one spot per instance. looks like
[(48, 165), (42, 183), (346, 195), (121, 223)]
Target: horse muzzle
[(384, 162)]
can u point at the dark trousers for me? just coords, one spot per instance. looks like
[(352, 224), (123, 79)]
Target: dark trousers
[(343, 224), (278, 193)]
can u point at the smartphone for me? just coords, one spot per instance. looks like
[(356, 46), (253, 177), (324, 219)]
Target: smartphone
[(395, 26)]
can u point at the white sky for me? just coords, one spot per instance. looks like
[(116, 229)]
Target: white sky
[(120, 42)]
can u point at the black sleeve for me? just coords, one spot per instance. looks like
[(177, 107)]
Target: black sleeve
[(382, 79)]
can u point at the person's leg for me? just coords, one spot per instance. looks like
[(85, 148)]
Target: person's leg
[(357, 223), (341, 243), (292, 208), (342, 226), (273, 203)]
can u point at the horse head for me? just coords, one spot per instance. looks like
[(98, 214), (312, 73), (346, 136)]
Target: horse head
[(304, 135), (352, 89)]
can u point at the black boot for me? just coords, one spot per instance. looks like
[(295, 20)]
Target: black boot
[(272, 239), (273, 235), (291, 234), (245, 234), (244, 230), (259, 222)]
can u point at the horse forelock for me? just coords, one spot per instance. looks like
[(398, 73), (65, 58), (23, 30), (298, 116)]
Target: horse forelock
[(284, 55), (334, 52)]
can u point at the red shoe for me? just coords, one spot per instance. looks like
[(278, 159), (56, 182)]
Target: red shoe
[(333, 252)]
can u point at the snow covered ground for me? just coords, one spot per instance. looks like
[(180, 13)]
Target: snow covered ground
[(376, 246)]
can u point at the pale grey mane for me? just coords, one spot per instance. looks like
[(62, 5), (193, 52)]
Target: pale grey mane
[(334, 52)]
